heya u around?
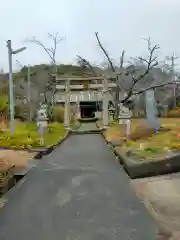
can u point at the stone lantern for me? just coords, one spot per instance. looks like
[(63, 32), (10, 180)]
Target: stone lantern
[(42, 122)]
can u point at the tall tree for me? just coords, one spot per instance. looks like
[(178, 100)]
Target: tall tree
[(51, 52)]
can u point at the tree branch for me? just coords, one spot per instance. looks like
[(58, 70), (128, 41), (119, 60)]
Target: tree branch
[(37, 42), (87, 63), (131, 93), (105, 52), (156, 86)]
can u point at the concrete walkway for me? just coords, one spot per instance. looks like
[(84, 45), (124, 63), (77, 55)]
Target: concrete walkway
[(78, 192), (161, 195), (88, 126)]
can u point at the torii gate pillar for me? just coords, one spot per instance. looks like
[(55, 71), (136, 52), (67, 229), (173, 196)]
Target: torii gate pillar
[(105, 115)]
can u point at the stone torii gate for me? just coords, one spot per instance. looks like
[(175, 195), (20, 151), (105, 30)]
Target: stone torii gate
[(105, 101)]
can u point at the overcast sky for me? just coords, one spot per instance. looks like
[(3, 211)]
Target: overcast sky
[(121, 25)]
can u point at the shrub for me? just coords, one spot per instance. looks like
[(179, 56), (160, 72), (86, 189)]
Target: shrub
[(141, 132), (58, 114), (174, 113), (145, 132), (4, 107), (21, 111)]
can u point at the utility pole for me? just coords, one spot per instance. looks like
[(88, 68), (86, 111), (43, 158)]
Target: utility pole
[(29, 92), (173, 58), (11, 87), (173, 77)]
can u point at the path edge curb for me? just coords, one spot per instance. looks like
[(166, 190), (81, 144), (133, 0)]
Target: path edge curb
[(150, 168)]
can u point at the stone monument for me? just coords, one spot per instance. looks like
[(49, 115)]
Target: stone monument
[(151, 110)]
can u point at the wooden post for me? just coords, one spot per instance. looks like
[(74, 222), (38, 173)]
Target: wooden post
[(67, 105), (105, 103)]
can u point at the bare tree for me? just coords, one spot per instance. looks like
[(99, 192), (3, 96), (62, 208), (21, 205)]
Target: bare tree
[(136, 73), (150, 63), (51, 51)]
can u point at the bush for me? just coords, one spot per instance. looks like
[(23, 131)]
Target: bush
[(58, 114), (174, 113), (145, 132), (141, 132), (4, 107)]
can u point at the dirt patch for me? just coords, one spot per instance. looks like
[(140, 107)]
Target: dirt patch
[(18, 158), (161, 196)]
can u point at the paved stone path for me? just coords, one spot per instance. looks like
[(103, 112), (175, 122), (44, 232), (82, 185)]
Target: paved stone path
[(89, 126), (78, 192)]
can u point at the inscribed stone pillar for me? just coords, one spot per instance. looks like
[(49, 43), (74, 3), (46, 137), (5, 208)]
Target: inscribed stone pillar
[(151, 109)]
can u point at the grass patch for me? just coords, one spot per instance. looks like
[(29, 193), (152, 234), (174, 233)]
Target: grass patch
[(144, 144), (27, 136), (75, 124)]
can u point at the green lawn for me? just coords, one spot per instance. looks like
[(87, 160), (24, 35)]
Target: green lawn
[(27, 136)]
